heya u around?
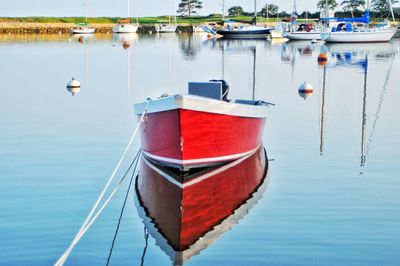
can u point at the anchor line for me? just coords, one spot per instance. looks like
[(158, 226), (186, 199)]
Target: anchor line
[(91, 218), (137, 157)]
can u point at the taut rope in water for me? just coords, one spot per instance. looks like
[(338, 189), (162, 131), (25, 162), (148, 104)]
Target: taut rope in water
[(137, 157), (91, 218)]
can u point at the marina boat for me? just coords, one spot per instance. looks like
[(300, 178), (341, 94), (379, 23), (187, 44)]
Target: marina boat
[(303, 32), (125, 25), (179, 212), (166, 28), (244, 32), (83, 28), (202, 128), (278, 30), (353, 30), (198, 28), (240, 31), (348, 33)]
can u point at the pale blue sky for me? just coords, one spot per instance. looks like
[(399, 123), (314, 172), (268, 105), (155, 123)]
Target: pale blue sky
[(119, 7)]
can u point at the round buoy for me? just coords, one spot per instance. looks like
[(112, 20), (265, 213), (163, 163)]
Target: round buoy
[(306, 88), (314, 41), (73, 86), (126, 44), (322, 59)]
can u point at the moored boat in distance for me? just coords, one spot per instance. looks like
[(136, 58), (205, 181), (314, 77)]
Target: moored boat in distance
[(348, 30), (179, 212), (165, 28), (202, 128), (83, 27), (125, 26), (348, 33), (244, 32)]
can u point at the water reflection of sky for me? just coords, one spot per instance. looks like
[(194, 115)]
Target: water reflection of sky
[(57, 150)]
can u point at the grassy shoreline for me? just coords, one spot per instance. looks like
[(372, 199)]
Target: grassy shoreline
[(141, 20)]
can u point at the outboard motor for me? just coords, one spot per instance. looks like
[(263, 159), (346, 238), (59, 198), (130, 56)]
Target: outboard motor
[(225, 88)]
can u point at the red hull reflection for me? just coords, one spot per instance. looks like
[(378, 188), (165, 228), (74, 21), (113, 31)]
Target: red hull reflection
[(186, 212)]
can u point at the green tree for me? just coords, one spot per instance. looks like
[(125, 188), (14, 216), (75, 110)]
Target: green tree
[(269, 10), (235, 11), (331, 3), (382, 7), (189, 7), (352, 5)]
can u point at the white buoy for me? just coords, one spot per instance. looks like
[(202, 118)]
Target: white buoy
[(314, 41), (306, 87), (73, 86)]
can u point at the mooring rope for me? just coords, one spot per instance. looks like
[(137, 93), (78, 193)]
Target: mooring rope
[(123, 208), (90, 219)]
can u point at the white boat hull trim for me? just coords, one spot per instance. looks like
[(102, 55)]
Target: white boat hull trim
[(166, 28), (125, 28), (303, 36), (83, 31), (383, 35)]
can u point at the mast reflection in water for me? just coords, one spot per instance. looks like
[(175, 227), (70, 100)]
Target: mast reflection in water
[(187, 212)]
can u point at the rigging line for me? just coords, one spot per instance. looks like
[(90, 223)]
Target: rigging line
[(378, 111), (137, 158), (146, 238), (63, 258)]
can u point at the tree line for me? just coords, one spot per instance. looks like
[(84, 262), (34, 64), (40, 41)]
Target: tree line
[(379, 8)]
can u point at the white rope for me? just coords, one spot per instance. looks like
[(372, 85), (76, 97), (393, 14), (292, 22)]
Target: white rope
[(89, 220)]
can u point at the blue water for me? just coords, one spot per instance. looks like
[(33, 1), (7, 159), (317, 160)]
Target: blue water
[(333, 197)]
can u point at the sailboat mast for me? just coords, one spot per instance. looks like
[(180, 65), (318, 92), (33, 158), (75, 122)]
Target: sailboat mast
[(129, 9), (255, 11), (169, 13), (86, 11), (223, 10), (326, 9)]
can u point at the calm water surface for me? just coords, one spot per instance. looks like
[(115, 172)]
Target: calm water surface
[(333, 194)]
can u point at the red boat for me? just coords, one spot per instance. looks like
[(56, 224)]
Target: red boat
[(187, 212), (202, 128)]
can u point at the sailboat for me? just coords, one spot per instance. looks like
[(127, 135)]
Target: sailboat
[(83, 27), (302, 31), (344, 30), (125, 25), (231, 31), (167, 28)]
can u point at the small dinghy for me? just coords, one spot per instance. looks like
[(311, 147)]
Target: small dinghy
[(202, 128)]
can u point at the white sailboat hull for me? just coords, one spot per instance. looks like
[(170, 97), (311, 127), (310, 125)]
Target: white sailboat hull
[(166, 28), (83, 31), (303, 35), (383, 35), (197, 28), (125, 28)]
